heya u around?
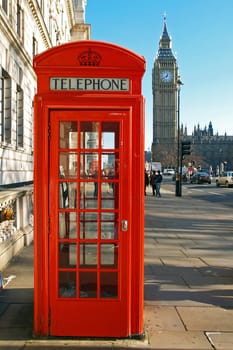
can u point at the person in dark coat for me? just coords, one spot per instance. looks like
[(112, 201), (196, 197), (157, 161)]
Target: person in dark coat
[(158, 180), (152, 182), (146, 181)]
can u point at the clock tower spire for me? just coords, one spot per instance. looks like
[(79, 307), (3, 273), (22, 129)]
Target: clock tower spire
[(164, 86)]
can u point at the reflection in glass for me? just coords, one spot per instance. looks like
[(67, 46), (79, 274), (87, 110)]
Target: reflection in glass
[(88, 255), (89, 135), (88, 195), (88, 225), (89, 165), (67, 254), (108, 192), (68, 135), (67, 225), (89, 230), (88, 285), (68, 164), (108, 216), (108, 165), (67, 284), (110, 135), (109, 225), (67, 194), (108, 140), (108, 230), (108, 254), (109, 285)]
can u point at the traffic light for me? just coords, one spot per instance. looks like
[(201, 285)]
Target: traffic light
[(186, 148)]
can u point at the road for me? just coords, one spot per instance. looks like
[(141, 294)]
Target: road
[(209, 193)]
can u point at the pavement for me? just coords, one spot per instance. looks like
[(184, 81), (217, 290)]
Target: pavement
[(188, 283)]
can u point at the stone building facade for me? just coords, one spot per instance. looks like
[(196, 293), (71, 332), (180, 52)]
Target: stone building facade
[(209, 149), (28, 27)]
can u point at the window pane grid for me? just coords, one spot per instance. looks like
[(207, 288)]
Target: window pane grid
[(88, 242)]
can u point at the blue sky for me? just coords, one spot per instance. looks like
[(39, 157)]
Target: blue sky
[(202, 41)]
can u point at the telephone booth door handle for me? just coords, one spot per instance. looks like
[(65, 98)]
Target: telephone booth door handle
[(124, 225)]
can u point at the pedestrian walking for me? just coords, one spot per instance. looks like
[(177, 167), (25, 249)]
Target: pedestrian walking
[(146, 181), (158, 181), (153, 182)]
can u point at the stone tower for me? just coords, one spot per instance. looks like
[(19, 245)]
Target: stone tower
[(164, 86)]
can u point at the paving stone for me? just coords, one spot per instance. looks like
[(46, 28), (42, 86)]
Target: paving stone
[(221, 340), (180, 340), (12, 344), (206, 318), (219, 261), (17, 315), (159, 318), (208, 282), (165, 252), (183, 262)]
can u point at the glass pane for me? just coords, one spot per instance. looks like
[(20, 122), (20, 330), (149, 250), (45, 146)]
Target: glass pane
[(108, 140), (109, 191), (68, 135), (109, 255), (108, 284), (67, 225), (88, 195), (108, 165), (88, 230), (89, 135), (67, 194), (67, 284), (107, 230), (108, 216), (88, 285), (68, 164), (88, 225), (88, 255), (67, 255), (89, 165), (109, 227), (110, 135), (88, 216)]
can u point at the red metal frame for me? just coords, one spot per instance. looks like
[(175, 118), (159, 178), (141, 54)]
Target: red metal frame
[(114, 62)]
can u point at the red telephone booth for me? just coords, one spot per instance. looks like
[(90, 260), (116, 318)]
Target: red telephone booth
[(89, 191)]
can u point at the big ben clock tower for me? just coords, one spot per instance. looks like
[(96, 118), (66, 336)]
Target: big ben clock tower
[(164, 85)]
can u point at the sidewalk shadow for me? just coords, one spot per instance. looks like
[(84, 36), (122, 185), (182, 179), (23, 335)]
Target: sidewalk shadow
[(188, 252), (16, 314), (165, 289)]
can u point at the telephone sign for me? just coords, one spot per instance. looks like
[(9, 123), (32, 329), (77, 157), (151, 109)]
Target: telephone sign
[(90, 84)]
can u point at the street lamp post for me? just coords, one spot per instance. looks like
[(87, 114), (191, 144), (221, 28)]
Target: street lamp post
[(179, 153)]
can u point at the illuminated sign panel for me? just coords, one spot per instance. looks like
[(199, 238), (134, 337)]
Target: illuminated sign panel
[(89, 84)]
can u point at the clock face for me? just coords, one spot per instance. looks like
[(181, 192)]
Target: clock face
[(166, 76)]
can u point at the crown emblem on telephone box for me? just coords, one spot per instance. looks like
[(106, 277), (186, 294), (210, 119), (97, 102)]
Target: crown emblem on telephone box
[(89, 58)]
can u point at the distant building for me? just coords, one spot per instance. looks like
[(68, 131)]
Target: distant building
[(208, 149), (28, 27)]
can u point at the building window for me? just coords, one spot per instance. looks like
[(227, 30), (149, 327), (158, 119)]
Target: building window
[(19, 117), (41, 4), (34, 47), (5, 118), (19, 21), (5, 5)]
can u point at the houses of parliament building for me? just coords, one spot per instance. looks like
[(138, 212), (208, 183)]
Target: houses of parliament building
[(208, 149)]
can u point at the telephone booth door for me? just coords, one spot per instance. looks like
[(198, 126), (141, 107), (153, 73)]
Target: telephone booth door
[(89, 240)]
